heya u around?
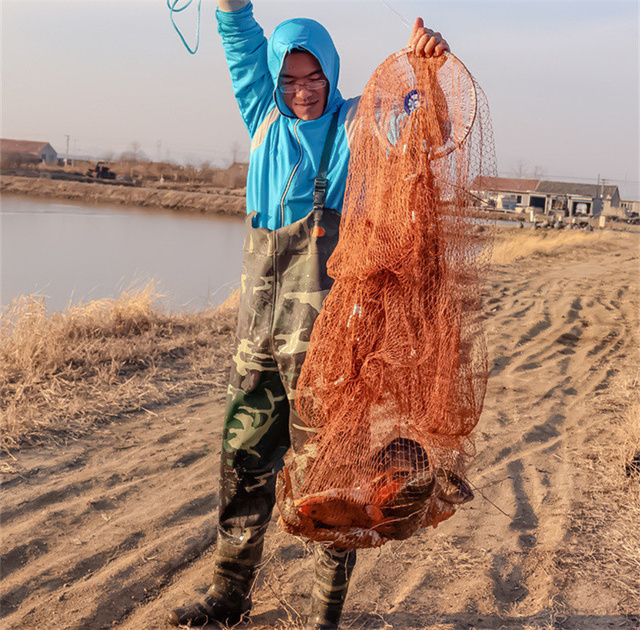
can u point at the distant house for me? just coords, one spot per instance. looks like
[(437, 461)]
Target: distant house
[(237, 174), (39, 151), (547, 197), (631, 207)]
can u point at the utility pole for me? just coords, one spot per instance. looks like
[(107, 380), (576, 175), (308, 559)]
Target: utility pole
[(66, 159)]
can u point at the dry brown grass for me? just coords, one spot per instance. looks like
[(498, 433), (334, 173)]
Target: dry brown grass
[(631, 445), (605, 524), (512, 244), (62, 372)]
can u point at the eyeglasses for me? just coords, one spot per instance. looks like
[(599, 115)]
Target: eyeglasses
[(290, 88)]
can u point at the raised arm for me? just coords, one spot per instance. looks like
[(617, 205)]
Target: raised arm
[(245, 48)]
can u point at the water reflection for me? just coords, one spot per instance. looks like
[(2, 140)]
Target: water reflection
[(71, 252)]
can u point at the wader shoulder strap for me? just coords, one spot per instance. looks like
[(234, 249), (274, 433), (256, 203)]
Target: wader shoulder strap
[(320, 184)]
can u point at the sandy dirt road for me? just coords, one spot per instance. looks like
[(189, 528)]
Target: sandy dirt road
[(112, 529)]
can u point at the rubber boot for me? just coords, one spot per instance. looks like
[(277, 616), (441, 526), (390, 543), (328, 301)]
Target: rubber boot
[(228, 600), (333, 568)]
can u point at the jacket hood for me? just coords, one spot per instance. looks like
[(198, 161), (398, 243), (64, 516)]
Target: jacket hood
[(313, 37)]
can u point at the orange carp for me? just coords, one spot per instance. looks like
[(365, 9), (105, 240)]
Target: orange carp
[(354, 507), (340, 508)]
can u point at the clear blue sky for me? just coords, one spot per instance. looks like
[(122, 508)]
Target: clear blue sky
[(561, 77)]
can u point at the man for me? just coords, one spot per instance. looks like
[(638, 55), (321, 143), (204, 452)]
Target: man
[(299, 126)]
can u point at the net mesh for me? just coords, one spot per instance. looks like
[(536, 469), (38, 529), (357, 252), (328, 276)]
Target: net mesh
[(395, 375)]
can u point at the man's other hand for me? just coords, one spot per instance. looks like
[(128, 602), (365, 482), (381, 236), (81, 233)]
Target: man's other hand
[(425, 42)]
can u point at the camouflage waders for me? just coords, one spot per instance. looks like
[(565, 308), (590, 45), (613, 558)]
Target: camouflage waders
[(284, 283)]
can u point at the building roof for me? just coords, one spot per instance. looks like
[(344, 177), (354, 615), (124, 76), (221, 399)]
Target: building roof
[(543, 187), (505, 184), (579, 190), (21, 146)]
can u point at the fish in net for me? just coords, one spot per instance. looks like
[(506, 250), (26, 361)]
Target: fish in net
[(395, 374)]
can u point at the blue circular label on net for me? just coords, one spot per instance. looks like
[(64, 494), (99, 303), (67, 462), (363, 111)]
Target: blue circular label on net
[(411, 101)]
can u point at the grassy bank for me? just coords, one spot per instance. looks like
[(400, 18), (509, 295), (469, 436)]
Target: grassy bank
[(62, 372), (215, 201), (512, 244)]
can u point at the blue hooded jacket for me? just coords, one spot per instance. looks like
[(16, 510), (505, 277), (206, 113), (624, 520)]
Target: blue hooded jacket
[(285, 150)]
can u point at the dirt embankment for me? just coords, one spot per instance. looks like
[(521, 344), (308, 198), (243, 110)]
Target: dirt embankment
[(222, 201), (112, 529), (207, 200)]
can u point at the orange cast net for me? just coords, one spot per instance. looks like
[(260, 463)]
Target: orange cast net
[(395, 375)]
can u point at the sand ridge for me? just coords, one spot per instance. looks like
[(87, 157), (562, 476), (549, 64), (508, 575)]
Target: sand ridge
[(112, 529)]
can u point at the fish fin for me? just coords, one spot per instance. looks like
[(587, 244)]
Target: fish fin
[(374, 513)]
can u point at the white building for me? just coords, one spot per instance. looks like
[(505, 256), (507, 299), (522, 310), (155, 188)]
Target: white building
[(547, 197)]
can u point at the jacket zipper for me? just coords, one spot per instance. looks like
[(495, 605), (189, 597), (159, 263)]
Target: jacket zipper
[(293, 172)]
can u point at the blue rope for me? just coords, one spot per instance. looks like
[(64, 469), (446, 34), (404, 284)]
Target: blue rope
[(173, 7)]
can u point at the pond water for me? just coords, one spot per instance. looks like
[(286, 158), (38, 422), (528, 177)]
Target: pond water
[(70, 252)]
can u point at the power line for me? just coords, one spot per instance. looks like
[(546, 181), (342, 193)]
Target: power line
[(572, 177)]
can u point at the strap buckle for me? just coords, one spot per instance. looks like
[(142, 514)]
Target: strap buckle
[(319, 192)]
